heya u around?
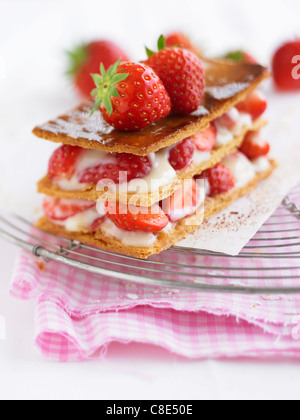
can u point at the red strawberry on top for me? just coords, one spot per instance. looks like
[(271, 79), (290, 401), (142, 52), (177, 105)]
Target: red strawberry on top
[(241, 56), (63, 161), (85, 60), (181, 155), (183, 202), (131, 96), (182, 74), (134, 166), (206, 140), (254, 146), (220, 179), (137, 219), (179, 39), (62, 209), (255, 105), (286, 66)]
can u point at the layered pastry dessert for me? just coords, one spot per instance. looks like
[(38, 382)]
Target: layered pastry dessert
[(141, 189)]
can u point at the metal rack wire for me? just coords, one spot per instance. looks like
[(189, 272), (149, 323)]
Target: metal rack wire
[(269, 264)]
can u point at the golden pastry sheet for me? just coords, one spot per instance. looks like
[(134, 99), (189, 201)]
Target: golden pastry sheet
[(227, 84)]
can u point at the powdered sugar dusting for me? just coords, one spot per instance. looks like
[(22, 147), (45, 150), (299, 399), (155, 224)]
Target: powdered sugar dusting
[(79, 123)]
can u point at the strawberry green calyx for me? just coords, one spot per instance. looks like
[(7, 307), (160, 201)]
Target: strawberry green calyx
[(77, 58), (106, 86), (235, 55), (161, 45)]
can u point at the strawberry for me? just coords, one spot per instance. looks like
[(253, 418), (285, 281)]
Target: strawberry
[(85, 60), (179, 39), (241, 56), (255, 104), (131, 96), (63, 161), (62, 209), (206, 140), (286, 66), (220, 179), (137, 219), (182, 74), (183, 202), (97, 223), (181, 155), (229, 120), (135, 166), (254, 146)]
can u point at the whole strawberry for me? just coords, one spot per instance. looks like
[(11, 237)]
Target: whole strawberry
[(85, 59), (179, 39), (131, 96), (241, 56), (286, 66), (182, 74)]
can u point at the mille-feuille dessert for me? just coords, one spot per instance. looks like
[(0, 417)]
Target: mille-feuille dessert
[(171, 142)]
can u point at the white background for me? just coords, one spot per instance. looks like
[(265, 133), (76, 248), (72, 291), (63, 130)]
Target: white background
[(33, 35)]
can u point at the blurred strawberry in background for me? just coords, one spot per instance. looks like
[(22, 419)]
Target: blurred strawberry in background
[(179, 39), (286, 66), (85, 59), (241, 56)]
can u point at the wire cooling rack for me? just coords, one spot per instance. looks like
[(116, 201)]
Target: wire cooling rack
[(269, 264)]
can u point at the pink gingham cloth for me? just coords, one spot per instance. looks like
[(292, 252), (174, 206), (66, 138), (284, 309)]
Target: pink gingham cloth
[(79, 315)]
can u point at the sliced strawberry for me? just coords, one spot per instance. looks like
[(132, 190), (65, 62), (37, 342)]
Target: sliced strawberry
[(97, 223), (182, 154), (254, 146), (137, 219), (228, 120), (63, 162), (220, 179), (62, 209), (183, 202), (134, 166), (206, 140), (255, 105)]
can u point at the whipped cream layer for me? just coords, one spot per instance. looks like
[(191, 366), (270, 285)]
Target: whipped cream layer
[(241, 167), (162, 173)]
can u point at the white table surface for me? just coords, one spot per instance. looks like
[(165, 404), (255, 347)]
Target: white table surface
[(129, 371)]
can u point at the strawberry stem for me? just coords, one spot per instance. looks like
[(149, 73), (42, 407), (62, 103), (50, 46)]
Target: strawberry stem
[(77, 57), (106, 86), (161, 45), (235, 55)]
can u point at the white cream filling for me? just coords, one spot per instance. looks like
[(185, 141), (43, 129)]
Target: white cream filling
[(241, 168), (161, 174), (81, 221), (261, 164), (200, 157), (225, 135), (89, 159), (135, 239), (245, 120)]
